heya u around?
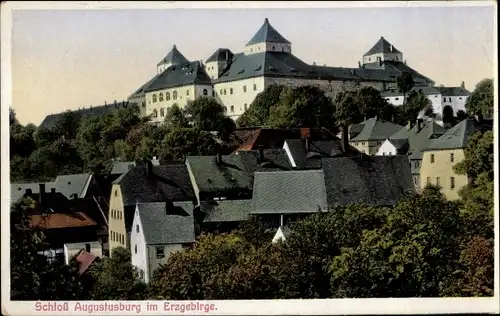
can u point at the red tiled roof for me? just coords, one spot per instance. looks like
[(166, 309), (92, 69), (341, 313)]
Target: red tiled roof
[(62, 220), (84, 259)]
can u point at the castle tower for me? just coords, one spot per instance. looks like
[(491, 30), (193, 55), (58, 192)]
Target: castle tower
[(174, 57), (218, 62), (267, 39), (382, 51)]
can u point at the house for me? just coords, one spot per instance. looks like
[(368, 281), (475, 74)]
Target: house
[(374, 180), (274, 138), (85, 260), (372, 133), (71, 186), (306, 153), (75, 249), (160, 229), (411, 140), (280, 197), (440, 97), (445, 152), (64, 228), (221, 216), (144, 184), (282, 234)]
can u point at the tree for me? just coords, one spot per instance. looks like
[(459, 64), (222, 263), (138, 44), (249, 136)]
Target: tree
[(193, 274), (416, 102), (373, 104), (12, 117), (481, 100), (447, 114), (405, 84), (175, 118), (115, 278), (181, 142), (411, 255), (67, 125), (258, 112), (206, 114), (304, 106), (32, 277)]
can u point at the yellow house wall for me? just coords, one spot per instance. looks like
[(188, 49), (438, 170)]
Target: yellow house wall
[(116, 219), (442, 168)]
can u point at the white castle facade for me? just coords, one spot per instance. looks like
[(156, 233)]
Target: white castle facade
[(235, 79)]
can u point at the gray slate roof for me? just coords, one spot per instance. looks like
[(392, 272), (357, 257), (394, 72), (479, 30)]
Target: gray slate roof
[(376, 129), (375, 180), (162, 228), (167, 183), (382, 46), (397, 68), (221, 54), (419, 140), (454, 91), (120, 167), (226, 210), (236, 171), (458, 136), (181, 74), (267, 34), (140, 92), (99, 110), (317, 149), (425, 90), (68, 185), (289, 192), (173, 57)]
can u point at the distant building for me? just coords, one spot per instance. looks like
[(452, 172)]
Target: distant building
[(371, 134), (440, 97), (445, 152)]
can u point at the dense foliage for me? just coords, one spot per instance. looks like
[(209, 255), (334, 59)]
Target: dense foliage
[(481, 100)]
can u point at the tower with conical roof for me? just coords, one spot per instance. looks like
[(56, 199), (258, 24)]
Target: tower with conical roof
[(174, 57), (382, 51), (267, 39)]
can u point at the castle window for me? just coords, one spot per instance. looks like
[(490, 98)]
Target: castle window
[(167, 96), (432, 158), (452, 182), (444, 99), (225, 108), (254, 87), (396, 99), (160, 97), (174, 95), (162, 112), (155, 113), (232, 108), (245, 106), (452, 157), (213, 93), (244, 88), (437, 181), (230, 90), (154, 98), (221, 91), (205, 92), (428, 180), (187, 92), (460, 98), (225, 92), (449, 99), (272, 48)]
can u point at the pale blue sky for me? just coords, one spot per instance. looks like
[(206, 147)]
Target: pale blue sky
[(68, 59)]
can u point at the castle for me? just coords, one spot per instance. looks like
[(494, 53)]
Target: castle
[(235, 79)]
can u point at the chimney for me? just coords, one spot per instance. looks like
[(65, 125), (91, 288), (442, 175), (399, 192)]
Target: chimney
[(149, 168), (261, 154), (359, 64), (115, 104), (105, 103), (307, 144), (41, 193), (53, 190), (419, 125), (345, 138), (462, 85), (410, 125), (392, 48), (218, 158), (405, 61)]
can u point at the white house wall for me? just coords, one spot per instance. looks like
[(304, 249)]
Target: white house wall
[(383, 56), (387, 149), (71, 249), (154, 263), (139, 258), (456, 102), (238, 99), (263, 47)]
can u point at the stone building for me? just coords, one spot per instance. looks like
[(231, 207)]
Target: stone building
[(235, 79)]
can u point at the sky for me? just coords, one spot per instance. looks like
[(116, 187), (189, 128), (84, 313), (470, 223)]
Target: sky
[(67, 59)]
